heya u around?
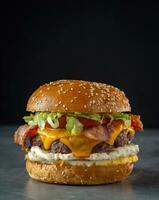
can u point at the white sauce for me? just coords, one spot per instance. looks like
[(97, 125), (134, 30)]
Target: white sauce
[(39, 155)]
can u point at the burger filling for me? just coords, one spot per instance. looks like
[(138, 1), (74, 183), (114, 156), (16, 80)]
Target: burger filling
[(79, 134)]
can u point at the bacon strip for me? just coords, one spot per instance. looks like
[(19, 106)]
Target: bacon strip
[(96, 133), (22, 132), (105, 133)]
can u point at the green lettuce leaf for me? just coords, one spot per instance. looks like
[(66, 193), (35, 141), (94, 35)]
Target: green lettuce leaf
[(29, 118), (120, 115), (125, 117), (40, 118), (73, 125), (96, 117)]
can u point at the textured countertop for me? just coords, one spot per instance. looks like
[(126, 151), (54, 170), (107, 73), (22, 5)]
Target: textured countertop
[(16, 184)]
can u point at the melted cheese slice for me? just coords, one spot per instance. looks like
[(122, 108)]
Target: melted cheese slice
[(114, 134), (80, 145), (48, 136), (117, 130)]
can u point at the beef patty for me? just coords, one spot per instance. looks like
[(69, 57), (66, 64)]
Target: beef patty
[(123, 138), (36, 141), (59, 147), (102, 147)]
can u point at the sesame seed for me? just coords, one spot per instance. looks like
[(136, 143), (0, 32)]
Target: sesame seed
[(71, 89), (102, 95), (113, 98), (62, 173), (85, 106), (92, 94), (71, 101)]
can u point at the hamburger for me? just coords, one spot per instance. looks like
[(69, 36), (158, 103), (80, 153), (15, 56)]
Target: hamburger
[(79, 133)]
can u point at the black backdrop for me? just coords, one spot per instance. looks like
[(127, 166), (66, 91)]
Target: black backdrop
[(115, 43)]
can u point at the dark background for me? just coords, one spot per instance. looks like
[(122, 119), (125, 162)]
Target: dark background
[(116, 43)]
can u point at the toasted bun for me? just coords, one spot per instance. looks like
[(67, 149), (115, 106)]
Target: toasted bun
[(78, 96), (78, 174)]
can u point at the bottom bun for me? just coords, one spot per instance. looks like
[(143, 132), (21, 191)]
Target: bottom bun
[(65, 173)]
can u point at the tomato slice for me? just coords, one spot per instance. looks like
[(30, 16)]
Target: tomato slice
[(136, 122), (32, 131), (105, 121), (86, 122), (62, 121), (90, 123)]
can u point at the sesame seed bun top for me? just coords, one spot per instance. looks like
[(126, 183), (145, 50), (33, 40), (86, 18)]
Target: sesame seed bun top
[(78, 96)]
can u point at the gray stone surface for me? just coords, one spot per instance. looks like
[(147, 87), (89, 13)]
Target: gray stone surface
[(16, 184)]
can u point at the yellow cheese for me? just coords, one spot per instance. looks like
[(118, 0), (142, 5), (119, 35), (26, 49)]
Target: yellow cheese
[(124, 160), (114, 133), (131, 130), (48, 136), (80, 145), (117, 130)]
